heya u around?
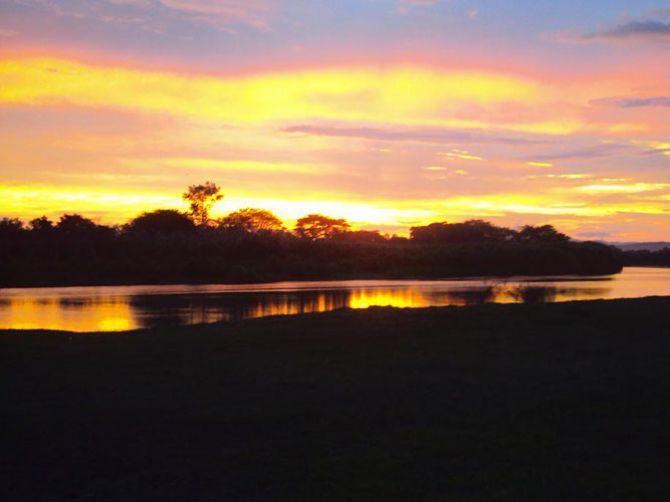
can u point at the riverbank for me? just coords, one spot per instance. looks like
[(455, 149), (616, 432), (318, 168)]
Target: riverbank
[(496, 402), (217, 258)]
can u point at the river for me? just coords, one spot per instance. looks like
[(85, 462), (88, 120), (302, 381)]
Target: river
[(120, 308)]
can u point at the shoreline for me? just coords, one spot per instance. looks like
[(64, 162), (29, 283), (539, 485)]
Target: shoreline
[(342, 278)]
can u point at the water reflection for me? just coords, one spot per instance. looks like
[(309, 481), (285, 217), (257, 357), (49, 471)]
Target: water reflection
[(123, 308), (92, 314)]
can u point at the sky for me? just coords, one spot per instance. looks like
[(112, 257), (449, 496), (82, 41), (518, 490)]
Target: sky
[(390, 113)]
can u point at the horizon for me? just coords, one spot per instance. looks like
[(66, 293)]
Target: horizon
[(388, 113)]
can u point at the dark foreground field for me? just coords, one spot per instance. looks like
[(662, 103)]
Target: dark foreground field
[(523, 402)]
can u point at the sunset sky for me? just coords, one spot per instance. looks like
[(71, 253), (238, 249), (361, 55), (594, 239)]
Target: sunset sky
[(390, 113)]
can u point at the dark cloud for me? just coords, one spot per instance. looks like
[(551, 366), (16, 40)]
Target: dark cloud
[(632, 101), (650, 29), (641, 102)]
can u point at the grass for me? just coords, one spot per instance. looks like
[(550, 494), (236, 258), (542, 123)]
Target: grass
[(498, 402)]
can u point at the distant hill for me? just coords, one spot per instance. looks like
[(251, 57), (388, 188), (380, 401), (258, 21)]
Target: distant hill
[(641, 246)]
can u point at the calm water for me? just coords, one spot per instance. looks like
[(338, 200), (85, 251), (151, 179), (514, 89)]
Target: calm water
[(115, 308)]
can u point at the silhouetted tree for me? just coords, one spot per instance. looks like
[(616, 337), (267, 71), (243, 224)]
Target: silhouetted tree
[(318, 226), (12, 236), (252, 220), (468, 231), (161, 221), (544, 233), (42, 225), (75, 224), (10, 227), (201, 198)]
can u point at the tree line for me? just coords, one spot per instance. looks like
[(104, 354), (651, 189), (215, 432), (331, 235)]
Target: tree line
[(646, 258), (251, 244)]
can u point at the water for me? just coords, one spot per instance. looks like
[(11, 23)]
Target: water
[(118, 308)]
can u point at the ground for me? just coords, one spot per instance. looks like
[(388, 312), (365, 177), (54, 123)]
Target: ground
[(498, 402)]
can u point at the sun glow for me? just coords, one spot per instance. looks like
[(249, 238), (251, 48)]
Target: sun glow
[(385, 144), (399, 94)]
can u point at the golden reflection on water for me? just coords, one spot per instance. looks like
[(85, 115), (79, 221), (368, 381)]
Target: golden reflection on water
[(103, 314), (283, 304), (401, 298), (131, 307)]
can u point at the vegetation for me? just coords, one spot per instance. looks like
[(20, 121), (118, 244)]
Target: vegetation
[(253, 221), (251, 244), (660, 258), (201, 198), (500, 402), (316, 227)]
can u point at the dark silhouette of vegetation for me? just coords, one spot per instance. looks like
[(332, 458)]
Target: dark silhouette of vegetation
[(161, 222), (201, 198), (544, 233), (645, 258), (10, 227), (251, 245), (468, 231), (317, 226), (252, 220), (42, 224), (363, 237), (483, 231)]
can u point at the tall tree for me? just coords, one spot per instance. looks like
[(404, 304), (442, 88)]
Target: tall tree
[(201, 199)]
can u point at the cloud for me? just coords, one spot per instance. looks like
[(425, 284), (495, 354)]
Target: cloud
[(642, 102), (7, 33), (228, 12), (654, 147), (148, 14), (642, 30), (405, 5), (623, 188), (637, 29), (595, 234), (590, 152), (433, 135), (395, 95)]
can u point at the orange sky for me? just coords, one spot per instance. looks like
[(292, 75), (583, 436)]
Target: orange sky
[(387, 113)]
